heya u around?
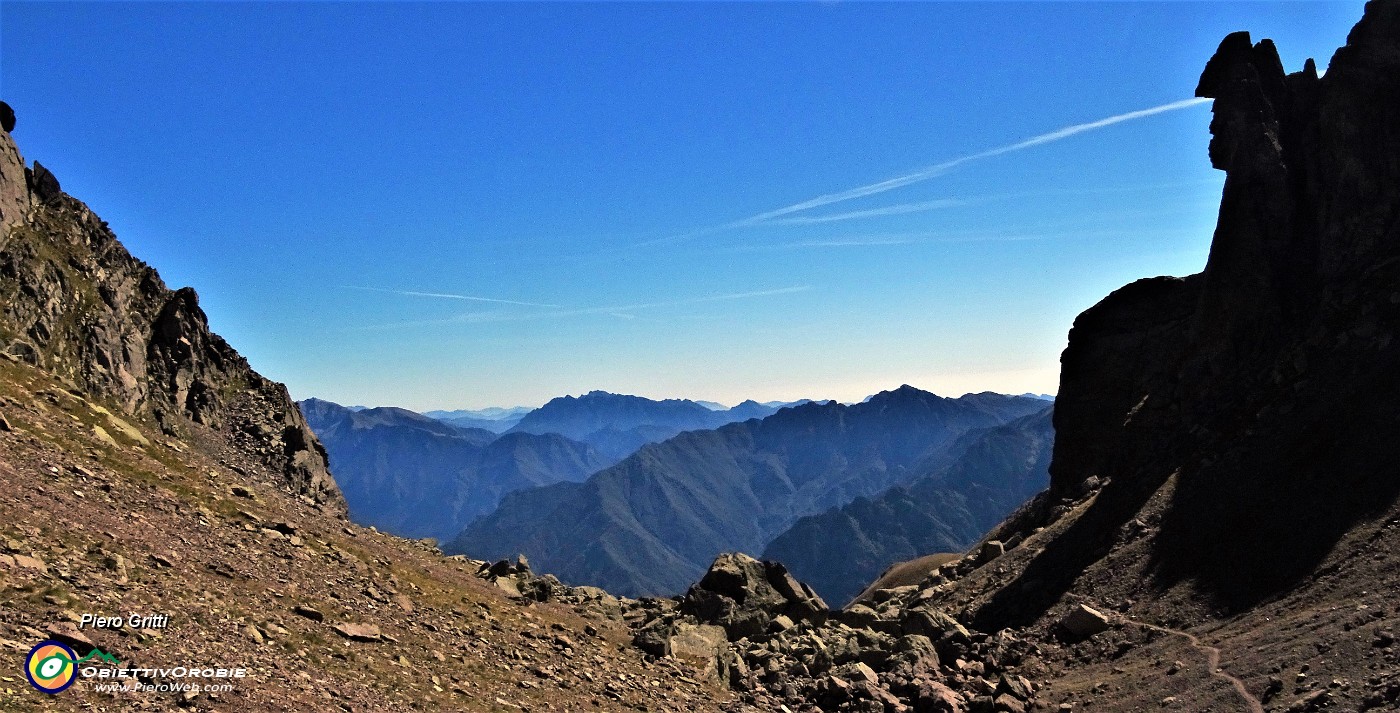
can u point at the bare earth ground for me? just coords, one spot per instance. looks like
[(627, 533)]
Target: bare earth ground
[(1327, 645), (103, 524)]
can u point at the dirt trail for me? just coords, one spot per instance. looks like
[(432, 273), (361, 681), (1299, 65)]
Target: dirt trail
[(1212, 660)]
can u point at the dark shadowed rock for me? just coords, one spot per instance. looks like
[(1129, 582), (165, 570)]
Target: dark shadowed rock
[(1251, 405), (44, 184), (744, 596), (7, 118)]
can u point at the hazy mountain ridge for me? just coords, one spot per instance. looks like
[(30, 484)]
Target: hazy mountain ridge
[(619, 424), (416, 476), (986, 475), (651, 523), (495, 419)]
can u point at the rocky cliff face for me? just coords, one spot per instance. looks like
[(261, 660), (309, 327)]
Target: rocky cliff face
[(1301, 276), (78, 305), (1261, 383), (1224, 454)]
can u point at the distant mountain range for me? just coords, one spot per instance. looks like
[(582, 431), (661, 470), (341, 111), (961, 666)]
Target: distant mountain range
[(494, 419), (416, 476), (653, 522), (985, 475), (617, 425), (430, 474)]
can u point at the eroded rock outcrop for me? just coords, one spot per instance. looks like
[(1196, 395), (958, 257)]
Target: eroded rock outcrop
[(1225, 441), (748, 597), (76, 303)]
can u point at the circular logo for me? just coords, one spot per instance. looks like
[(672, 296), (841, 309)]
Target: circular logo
[(50, 666)]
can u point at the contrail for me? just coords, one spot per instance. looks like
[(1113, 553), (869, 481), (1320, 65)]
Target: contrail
[(902, 208), (933, 171), (618, 311), (448, 296), (711, 298), (899, 209)]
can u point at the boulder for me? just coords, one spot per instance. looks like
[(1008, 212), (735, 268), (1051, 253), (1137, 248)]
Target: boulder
[(933, 697), (935, 624), (746, 596), (308, 612), (7, 117), (1083, 621), (858, 672), (701, 645), (1005, 703), (991, 549), (358, 632), (33, 563)]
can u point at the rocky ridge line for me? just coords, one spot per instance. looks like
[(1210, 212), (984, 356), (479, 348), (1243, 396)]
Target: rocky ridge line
[(78, 305)]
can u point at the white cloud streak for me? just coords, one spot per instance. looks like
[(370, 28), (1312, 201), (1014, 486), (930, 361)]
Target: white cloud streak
[(617, 311), (942, 168), (938, 238), (924, 174), (899, 209), (710, 298), (449, 296)]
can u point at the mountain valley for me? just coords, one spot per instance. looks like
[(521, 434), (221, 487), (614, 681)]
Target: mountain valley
[(1205, 518), (652, 523), (417, 477)]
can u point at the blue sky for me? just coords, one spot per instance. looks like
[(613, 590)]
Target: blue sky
[(454, 205)]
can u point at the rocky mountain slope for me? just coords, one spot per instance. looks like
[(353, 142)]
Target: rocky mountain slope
[(415, 476), (990, 473), (145, 467), (76, 304), (617, 424), (652, 523)]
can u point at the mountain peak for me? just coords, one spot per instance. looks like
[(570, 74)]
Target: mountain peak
[(904, 394)]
